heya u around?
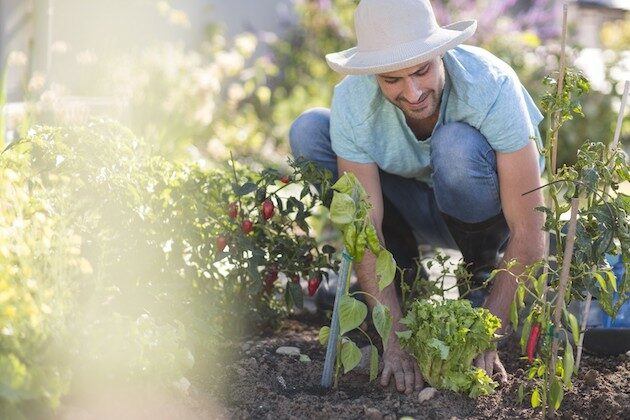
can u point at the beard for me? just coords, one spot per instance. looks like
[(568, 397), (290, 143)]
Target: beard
[(429, 107)]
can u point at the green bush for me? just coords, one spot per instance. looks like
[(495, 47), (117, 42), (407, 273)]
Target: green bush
[(117, 259)]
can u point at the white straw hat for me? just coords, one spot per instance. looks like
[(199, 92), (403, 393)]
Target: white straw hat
[(396, 34)]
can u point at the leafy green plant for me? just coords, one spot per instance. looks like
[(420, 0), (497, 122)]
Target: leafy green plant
[(349, 211), (445, 337)]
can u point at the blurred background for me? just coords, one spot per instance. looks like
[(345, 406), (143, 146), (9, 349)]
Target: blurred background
[(260, 63), (128, 126)]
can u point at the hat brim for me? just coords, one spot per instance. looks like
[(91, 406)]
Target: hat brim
[(353, 61)]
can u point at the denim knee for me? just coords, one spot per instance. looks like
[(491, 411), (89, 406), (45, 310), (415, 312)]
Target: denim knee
[(305, 130), (464, 173)]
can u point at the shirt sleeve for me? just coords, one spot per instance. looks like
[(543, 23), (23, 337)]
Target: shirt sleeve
[(508, 125), (342, 135)]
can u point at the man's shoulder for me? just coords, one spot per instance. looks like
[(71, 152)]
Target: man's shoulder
[(477, 75), (477, 63), (358, 96)]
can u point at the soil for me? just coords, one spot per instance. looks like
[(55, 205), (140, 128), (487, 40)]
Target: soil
[(260, 384)]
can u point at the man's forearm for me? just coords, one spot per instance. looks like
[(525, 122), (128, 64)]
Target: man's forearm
[(366, 274), (525, 249)]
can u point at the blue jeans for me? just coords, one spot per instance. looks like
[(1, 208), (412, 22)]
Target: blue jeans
[(465, 182)]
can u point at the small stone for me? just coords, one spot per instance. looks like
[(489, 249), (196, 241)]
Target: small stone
[(288, 351), (426, 394), (373, 414), (590, 378), (364, 364)]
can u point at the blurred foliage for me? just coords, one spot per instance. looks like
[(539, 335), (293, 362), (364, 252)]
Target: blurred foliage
[(112, 269)]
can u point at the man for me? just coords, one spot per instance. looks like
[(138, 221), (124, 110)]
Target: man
[(443, 139)]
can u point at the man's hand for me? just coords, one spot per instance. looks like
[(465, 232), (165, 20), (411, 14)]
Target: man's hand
[(490, 362), (402, 366)]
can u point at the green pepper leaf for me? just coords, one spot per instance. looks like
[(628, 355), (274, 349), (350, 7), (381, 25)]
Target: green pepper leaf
[(350, 356), (385, 268), (324, 332), (352, 312), (373, 362), (556, 393), (382, 322), (342, 209), (568, 364), (535, 398)]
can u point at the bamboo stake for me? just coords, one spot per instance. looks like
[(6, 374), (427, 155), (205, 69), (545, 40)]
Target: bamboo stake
[(554, 140), (564, 279), (589, 296)]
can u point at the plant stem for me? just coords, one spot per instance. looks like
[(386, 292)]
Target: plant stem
[(564, 279)]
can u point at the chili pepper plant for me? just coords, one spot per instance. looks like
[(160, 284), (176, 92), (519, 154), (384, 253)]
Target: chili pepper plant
[(598, 225)]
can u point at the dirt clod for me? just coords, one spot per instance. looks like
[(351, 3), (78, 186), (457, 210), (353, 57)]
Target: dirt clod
[(426, 394), (373, 414), (590, 378)]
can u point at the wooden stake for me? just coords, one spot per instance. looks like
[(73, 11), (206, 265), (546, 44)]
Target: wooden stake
[(564, 279)]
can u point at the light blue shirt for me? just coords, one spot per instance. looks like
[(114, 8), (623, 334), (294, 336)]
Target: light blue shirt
[(479, 89)]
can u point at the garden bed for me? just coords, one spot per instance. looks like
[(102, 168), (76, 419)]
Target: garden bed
[(258, 383)]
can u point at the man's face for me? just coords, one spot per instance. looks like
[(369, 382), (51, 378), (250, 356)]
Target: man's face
[(415, 90)]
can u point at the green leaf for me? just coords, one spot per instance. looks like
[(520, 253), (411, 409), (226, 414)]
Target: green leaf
[(514, 315), (535, 398), (568, 364), (382, 322), (245, 189), (612, 279), (350, 356), (601, 281), (439, 346), (304, 358), (405, 335), (352, 313), (520, 295), (294, 295), (527, 327), (324, 332), (575, 326), (345, 183), (385, 269), (373, 362), (539, 284), (342, 209), (556, 393)]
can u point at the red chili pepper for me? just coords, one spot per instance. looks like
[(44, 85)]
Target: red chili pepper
[(232, 210), (313, 284), (285, 179), (247, 226), (532, 341), (270, 278), (267, 209), (221, 243)]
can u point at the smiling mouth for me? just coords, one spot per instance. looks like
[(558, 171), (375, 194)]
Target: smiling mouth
[(419, 104)]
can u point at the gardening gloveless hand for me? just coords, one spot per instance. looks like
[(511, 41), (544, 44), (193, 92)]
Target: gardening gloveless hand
[(402, 366), (490, 362)]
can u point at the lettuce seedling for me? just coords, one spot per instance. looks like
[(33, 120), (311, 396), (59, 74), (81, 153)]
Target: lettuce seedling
[(445, 337)]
